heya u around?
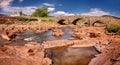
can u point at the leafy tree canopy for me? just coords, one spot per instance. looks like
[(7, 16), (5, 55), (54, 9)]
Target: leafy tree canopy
[(41, 12)]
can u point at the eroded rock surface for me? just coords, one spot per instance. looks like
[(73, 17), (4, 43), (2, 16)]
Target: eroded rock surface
[(109, 55), (30, 54)]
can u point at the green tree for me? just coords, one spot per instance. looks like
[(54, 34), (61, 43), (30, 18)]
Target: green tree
[(41, 12)]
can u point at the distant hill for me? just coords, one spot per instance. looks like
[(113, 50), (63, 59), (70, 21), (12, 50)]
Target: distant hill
[(111, 16), (3, 15)]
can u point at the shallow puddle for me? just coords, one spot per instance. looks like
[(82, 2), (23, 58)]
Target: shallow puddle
[(46, 36), (29, 35), (71, 56)]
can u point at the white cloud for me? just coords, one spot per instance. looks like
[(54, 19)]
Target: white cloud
[(26, 10), (62, 13), (50, 9), (5, 6), (48, 4), (96, 12), (4, 3), (29, 10)]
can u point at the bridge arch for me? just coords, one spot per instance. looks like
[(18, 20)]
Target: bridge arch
[(77, 21), (62, 22), (99, 23)]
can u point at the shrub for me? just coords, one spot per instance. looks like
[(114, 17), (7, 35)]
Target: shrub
[(21, 18), (79, 22), (114, 27), (46, 19), (26, 19), (118, 33)]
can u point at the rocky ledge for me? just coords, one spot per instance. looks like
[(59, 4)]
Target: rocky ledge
[(110, 55), (29, 54)]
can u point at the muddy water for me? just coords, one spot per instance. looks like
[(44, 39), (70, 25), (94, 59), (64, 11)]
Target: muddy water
[(71, 56)]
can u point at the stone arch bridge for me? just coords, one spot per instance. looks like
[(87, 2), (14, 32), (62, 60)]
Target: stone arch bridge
[(88, 20)]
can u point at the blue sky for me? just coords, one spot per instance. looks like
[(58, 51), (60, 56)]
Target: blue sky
[(63, 7)]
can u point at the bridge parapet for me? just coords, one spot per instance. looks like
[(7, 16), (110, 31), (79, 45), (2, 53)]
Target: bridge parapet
[(90, 20)]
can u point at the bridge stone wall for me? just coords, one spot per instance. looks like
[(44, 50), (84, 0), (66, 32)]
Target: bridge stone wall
[(90, 20)]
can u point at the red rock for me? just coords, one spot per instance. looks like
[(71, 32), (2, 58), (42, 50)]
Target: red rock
[(57, 32), (4, 36), (23, 55)]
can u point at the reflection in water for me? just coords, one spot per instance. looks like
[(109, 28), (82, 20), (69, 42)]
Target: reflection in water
[(45, 36), (39, 37), (71, 56), (60, 55)]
